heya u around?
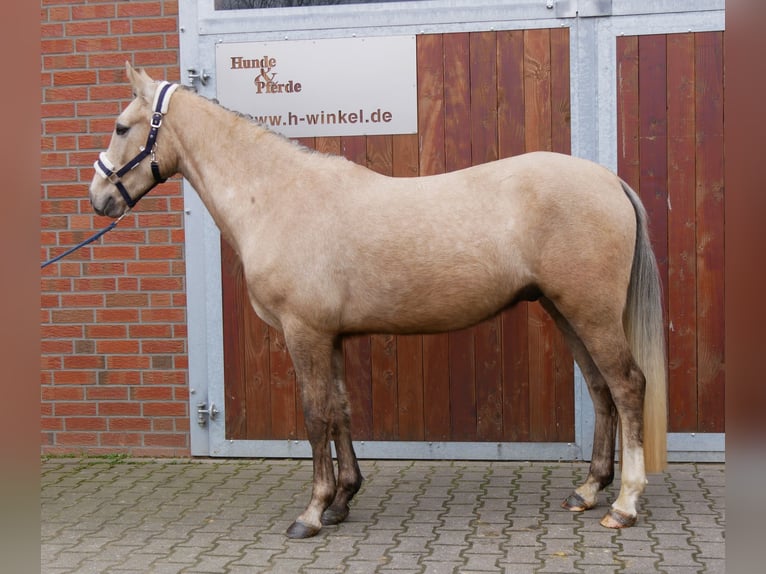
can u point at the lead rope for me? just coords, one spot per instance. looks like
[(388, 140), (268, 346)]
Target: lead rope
[(90, 239)]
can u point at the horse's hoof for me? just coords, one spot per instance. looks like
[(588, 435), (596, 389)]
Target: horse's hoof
[(334, 515), (576, 503), (300, 530), (617, 519)]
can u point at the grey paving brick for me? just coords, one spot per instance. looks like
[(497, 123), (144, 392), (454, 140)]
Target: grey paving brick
[(433, 516)]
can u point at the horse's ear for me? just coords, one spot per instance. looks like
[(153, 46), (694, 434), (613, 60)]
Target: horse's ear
[(142, 84)]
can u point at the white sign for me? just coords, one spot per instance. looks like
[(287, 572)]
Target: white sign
[(306, 88)]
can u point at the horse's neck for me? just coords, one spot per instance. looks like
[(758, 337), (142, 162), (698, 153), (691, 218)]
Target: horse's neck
[(230, 163)]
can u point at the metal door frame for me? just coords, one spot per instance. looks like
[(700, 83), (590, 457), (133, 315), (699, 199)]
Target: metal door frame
[(594, 26)]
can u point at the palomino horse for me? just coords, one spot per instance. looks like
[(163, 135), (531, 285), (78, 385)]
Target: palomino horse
[(330, 248)]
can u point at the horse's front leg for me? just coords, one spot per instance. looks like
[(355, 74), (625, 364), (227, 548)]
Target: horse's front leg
[(349, 475), (312, 357)]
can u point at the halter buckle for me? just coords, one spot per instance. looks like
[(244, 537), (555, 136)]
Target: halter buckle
[(156, 121)]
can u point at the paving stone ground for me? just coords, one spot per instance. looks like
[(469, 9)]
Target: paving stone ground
[(229, 516)]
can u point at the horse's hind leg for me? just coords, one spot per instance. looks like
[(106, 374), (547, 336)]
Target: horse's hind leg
[(349, 475), (601, 472), (627, 385), (312, 357), (602, 334)]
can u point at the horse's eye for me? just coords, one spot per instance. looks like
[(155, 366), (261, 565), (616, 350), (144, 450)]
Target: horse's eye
[(121, 130)]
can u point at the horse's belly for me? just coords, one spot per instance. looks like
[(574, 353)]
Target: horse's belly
[(427, 306)]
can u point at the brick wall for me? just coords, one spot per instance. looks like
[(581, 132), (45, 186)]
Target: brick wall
[(114, 347)]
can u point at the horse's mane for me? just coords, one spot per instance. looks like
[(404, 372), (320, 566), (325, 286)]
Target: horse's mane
[(250, 119)]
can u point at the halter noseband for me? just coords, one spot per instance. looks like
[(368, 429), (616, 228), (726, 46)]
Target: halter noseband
[(105, 168)]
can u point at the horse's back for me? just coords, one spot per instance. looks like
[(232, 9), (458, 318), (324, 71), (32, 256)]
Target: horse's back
[(445, 251)]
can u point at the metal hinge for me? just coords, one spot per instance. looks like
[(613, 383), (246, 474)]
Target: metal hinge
[(203, 412), (583, 8), (193, 75)]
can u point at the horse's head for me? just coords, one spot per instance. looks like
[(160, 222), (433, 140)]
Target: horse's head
[(131, 167)]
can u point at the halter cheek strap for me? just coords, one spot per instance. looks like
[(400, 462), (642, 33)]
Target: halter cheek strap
[(108, 171)]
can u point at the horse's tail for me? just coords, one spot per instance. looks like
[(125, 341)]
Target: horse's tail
[(644, 328)]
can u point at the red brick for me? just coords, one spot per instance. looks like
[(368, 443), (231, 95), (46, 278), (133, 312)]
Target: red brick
[(51, 424), (137, 43), (160, 252), (127, 300), (80, 408), (56, 126), (164, 378), (62, 393), (77, 439), (161, 424), (72, 316), (112, 393), (128, 362), (158, 393), (56, 46), (122, 409), (114, 439), (163, 346), (55, 347), (74, 377), (117, 315), (88, 28), (119, 252), (148, 268), (80, 300), (92, 12), (163, 315), (142, 331), (115, 377), (120, 27), (50, 362), (162, 283), (106, 331), (129, 424), (67, 94), (162, 439), (133, 9), (61, 331), (58, 13), (124, 347), (104, 268), (84, 424), (127, 284), (102, 44), (84, 362)]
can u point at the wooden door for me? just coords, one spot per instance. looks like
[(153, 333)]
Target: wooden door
[(481, 96), (670, 91)]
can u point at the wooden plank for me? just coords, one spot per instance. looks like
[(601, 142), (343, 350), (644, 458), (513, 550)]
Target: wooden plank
[(510, 93), (233, 366), (653, 144), (430, 57), (409, 348), (511, 141), (284, 406), (537, 90), (710, 230), (383, 347), (537, 132), (682, 263), (487, 343), (357, 349), (257, 373), (627, 110), (561, 141), (561, 109), (457, 145)]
